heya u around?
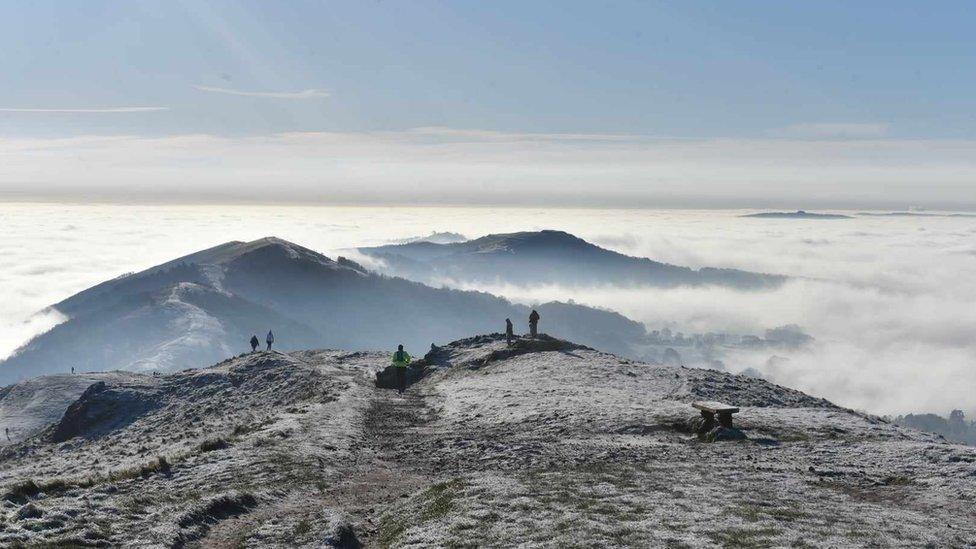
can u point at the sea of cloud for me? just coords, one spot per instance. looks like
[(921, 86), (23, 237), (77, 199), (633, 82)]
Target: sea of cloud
[(891, 301)]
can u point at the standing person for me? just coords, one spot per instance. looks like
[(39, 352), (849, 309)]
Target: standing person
[(72, 369), (254, 343), (270, 339), (509, 331), (6, 431), (400, 361), (534, 323)]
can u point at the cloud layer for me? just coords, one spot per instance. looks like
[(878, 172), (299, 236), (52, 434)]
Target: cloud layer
[(450, 166), (888, 299)]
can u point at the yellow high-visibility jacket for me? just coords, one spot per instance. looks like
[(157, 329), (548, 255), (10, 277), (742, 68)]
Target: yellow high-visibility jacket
[(401, 359)]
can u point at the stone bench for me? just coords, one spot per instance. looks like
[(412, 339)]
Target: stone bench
[(710, 409)]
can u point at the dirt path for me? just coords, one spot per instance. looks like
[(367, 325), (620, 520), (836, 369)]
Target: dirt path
[(366, 478)]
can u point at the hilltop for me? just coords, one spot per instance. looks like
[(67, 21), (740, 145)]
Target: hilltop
[(547, 444), (799, 214), (203, 307), (547, 257)]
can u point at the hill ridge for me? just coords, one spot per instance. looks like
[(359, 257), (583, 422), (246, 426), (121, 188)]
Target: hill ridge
[(273, 449)]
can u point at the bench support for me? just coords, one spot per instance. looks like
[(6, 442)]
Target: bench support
[(724, 419)]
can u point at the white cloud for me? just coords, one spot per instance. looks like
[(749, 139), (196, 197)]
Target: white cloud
[(469, 166), (837, 130), (311, 93), (95, 110), (884, 296)]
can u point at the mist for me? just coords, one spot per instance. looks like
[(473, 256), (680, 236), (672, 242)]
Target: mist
[(889, 300)]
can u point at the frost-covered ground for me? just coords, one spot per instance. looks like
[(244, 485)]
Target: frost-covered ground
[(494, 447)]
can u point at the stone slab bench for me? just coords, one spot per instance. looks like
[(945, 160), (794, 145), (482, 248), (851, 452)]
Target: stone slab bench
[(710, 409)]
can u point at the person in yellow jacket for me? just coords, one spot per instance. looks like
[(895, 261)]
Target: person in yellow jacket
[(400, 362)]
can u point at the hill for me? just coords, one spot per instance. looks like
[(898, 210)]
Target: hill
[(547, 444), (547, 257), (799, 214), (198, 309)]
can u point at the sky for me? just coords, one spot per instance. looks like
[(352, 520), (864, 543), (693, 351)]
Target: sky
[(704, 104)]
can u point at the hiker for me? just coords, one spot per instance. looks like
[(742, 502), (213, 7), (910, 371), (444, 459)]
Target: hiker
[(6, 431), (534, 323), (400, 361), (269, 339), (254, 343), (509, 331), (72, 369)]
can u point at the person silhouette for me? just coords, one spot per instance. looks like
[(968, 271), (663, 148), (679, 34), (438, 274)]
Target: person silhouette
[(400, 362), (509, 331), (254, 343), (270, 339), (534, 323)]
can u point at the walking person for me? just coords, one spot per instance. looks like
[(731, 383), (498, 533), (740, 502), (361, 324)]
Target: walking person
[(254, 343), (270, 339), (6, 431), (400, 362), (509, 331), (534, 323)]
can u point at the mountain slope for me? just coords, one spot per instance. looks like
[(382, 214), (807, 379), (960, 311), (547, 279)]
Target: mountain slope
[(548, 444), (547, 257), (198, 309)]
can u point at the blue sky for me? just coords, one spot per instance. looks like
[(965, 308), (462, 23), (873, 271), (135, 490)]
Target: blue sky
[(672, 70)]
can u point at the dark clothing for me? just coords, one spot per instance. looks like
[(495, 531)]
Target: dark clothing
[(401, 375), (509, 332), (534, 323), (254, 343)]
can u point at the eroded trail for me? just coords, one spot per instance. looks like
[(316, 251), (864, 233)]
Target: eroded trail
[(351, 479)]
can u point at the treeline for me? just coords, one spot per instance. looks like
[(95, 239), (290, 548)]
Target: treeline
[(955, 428)]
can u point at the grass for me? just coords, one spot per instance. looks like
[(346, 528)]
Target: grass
[(211, 444), (439, 499), (303, 527), (146, 470), (756, 513), (20, 492), (794, 436), (434, 503), (390, 530), (136, 504), (744, 538)]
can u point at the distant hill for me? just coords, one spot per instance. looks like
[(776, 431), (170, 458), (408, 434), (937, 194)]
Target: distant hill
[(446, 237), (202, 308), (799, 214), (547, 257)]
